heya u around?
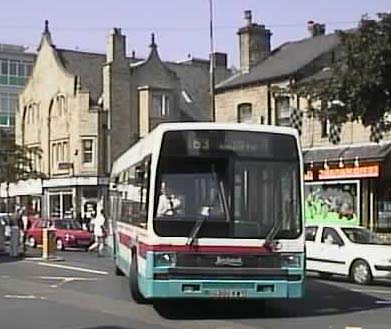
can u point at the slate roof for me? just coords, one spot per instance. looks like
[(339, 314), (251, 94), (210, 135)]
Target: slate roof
[(88, 66), (374, 152), (194, 80), (284, 61)]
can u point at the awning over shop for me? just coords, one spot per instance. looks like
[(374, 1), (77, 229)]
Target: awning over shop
[(348, 153)]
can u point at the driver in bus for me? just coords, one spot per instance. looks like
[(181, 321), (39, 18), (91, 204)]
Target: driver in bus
[(169, 203)]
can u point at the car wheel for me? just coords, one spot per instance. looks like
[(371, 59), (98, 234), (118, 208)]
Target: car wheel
[(31, 242), (361, 273), (325, 275), (133, 283), (59, 244)]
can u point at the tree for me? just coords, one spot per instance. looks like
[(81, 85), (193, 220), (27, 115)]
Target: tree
[(17, 164), (359, 86)]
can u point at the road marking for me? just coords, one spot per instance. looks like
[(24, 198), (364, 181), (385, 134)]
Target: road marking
[(349, 327), (74, 268), (30, 297), (372, 291), (64, 279), (387, 302)]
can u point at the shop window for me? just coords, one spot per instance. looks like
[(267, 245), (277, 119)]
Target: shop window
[(245, 112), (383, 221), (61, 205), (87, 146)]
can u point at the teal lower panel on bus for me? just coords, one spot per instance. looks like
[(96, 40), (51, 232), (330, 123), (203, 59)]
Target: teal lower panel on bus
[(231, 289)]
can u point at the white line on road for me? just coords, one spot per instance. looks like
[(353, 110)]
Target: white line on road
[(23, 297), (387, 302), (372, 291), (64, 280), (74, 268)]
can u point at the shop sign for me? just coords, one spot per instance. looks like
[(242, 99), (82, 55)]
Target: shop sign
[(309, 175), (363, 171)]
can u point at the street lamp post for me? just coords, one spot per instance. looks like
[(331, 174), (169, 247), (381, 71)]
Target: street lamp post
[(212, 65)]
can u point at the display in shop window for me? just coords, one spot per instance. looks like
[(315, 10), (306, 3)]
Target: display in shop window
[(332, 203)]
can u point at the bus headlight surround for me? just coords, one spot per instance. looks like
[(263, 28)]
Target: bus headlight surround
[(165, 259), (290, 260)]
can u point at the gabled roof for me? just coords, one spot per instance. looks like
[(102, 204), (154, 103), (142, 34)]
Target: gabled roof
[(88, 66), (284, 61)]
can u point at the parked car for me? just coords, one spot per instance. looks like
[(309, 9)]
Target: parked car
[(67, 233), (347, 250)]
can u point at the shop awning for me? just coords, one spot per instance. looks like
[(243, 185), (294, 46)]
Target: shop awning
[(361, 152)]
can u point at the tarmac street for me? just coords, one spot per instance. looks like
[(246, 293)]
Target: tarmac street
[(83, 292)]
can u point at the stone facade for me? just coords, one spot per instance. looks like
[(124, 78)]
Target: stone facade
[(84, 109)]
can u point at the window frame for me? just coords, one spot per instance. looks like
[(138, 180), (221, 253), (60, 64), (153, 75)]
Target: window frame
[(240, 108), (91, 152)]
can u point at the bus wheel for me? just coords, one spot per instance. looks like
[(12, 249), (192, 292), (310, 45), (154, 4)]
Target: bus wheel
[(118, 271), (133, 283)]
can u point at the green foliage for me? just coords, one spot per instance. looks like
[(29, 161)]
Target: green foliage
[(16, 163), (359, 86)]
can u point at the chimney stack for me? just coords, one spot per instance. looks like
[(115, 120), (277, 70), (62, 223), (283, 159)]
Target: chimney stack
[(116, 45), (254, 43)]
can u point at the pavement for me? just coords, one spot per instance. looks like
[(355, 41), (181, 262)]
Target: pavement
[(82, 292)]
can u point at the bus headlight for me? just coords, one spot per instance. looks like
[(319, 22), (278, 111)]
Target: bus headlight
[(290, 260), (165, 259)]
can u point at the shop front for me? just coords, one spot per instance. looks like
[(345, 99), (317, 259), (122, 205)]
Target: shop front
[(349, 185)]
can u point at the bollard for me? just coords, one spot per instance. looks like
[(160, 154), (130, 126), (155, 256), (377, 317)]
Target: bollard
[(47, 243), (14, 242)]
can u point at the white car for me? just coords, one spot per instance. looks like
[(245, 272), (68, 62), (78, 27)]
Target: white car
[(347, 250)]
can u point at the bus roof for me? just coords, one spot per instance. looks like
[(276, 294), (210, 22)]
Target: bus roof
[(147, 144)]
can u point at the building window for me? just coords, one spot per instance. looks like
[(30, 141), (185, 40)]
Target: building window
[(282, 111), (87, 145), (244, 112), (61, 204), (161, 105), (14, 72), (61, 105), (8, 106)]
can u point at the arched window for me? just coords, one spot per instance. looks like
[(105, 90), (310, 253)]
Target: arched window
[(61, 105), (245, 112)]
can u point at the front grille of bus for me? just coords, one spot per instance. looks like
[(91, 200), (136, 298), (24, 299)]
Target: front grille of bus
[(210, 260)]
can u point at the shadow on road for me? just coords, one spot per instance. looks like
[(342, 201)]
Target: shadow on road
[(321, 299), (343, 279), (5, 258)]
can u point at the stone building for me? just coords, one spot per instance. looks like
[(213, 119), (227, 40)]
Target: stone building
[(84, 109), (345, 164)]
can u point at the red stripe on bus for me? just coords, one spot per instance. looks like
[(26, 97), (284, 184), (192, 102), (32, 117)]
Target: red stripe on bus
[(143, 247)]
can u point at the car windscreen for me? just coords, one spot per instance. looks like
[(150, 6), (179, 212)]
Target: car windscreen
[(362, 235), (67, 225)]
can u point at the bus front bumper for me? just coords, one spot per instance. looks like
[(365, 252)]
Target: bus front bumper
[(228, 289)]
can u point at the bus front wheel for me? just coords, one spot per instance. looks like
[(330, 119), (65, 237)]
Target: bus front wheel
[(133, 283)]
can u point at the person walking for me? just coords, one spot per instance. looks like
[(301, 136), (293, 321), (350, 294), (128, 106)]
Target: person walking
[(99, 233)]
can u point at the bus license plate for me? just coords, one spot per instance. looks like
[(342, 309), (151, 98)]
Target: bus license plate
[(226, 293)]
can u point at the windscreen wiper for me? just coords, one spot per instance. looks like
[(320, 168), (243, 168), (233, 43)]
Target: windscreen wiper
[(206, 210), (197, 226), (269, 240)]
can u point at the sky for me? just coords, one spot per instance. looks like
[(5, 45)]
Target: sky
[(181, 26)]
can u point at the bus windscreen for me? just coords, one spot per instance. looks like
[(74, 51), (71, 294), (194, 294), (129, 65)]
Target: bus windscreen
[(246, 181)]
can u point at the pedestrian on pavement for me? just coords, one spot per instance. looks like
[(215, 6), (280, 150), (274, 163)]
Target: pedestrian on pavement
[(99, 233), (16, 224)]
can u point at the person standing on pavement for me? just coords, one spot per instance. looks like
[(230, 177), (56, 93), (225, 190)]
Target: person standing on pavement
[(99, 233)]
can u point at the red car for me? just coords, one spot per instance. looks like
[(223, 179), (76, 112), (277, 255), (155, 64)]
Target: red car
[(67, 233)]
